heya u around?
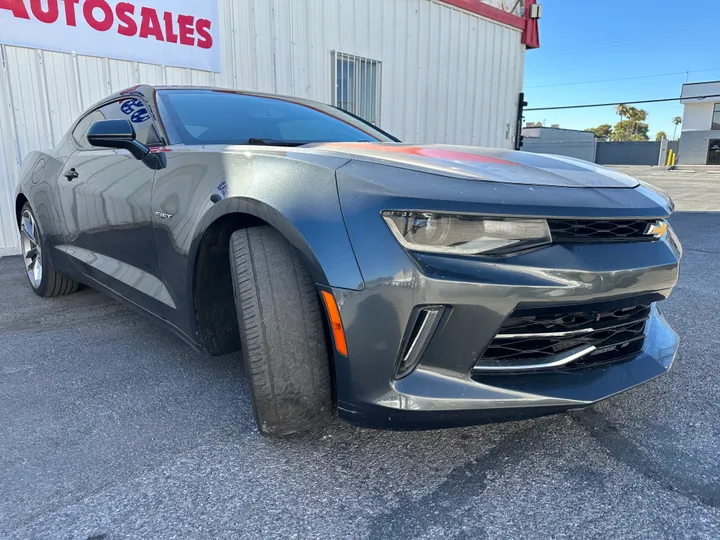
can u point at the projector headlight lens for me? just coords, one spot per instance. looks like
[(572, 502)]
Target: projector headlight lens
[(458, 234)]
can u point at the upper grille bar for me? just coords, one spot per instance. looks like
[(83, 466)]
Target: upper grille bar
[(560, 320), (568, 333), (601, 230)]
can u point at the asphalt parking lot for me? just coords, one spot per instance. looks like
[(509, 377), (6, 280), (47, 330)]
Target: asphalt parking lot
[(111, 427), (692, 189)]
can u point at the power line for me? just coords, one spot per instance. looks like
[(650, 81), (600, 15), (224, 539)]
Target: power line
[(618, 103), (626, 41), (624, 78)]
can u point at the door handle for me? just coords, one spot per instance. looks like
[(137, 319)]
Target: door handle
[(71, 174)]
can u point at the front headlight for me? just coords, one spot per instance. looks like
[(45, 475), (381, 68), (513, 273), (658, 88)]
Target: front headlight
[(457, 234)]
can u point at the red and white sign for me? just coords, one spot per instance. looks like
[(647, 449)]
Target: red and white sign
[(180, 33)]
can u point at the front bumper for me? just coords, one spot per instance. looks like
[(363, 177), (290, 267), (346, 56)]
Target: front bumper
[(430, 399), (479, 294), (443, 391)]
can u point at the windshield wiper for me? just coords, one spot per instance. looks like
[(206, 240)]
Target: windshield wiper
[(273, 142)]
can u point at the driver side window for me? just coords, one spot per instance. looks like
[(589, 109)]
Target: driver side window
[(81, 130), (131, 109), (136, 111)]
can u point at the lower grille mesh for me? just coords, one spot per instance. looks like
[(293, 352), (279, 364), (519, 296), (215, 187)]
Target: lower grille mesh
[(536, 336)]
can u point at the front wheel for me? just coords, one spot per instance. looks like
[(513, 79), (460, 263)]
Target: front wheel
[(42, 277), (282, 333)]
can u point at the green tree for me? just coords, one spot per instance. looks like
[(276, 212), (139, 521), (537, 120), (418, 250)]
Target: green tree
[(602, 132), (677, 121), (627, 130), (660, 135)]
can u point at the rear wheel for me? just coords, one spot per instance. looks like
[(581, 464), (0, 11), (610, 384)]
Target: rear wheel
[(42, 277), (281, 329)]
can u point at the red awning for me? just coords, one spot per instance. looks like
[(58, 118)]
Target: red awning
[(531, 35)]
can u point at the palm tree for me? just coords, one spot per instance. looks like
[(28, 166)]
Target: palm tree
[(622, 110), (635, 116), (677, 121), (660, 136)]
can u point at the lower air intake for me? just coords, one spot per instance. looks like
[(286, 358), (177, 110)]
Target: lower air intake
[(564, 337)]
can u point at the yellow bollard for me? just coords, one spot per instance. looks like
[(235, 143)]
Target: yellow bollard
[(673, 160), (669, 158)]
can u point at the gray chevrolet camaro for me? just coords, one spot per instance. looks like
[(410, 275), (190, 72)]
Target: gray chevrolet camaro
[(405, 286)]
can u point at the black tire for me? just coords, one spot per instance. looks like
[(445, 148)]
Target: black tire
[(51, 283), (281, 329)]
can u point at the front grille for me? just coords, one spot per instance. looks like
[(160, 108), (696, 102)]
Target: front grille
[(601, 230), (532, 336)]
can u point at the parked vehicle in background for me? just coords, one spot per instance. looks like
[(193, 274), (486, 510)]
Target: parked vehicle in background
[(405, 286)]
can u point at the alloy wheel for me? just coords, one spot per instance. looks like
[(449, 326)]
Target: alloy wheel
[(32, 252)]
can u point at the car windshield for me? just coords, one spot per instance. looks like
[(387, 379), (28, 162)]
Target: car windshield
[(226, 117)]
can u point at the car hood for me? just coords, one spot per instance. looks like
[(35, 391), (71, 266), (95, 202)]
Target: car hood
[(484, 164)]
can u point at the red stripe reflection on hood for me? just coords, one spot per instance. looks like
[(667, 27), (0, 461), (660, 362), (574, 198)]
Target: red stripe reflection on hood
[(434, 153)]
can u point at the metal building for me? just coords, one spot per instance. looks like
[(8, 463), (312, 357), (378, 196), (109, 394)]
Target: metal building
[(425, 70), (559, 141)]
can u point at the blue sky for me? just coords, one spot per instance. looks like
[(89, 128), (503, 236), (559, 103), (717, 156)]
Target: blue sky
[(613, 39)]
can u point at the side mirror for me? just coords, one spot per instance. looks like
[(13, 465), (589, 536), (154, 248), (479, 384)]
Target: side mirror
[(116, 134)]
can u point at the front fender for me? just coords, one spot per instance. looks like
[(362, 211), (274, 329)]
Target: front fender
[(322, 239), (294, 192)]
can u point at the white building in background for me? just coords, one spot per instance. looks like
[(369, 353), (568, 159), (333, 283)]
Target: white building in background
[(700, 136), (447, 71)]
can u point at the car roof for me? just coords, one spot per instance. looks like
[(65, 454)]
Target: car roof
[(146, 90)]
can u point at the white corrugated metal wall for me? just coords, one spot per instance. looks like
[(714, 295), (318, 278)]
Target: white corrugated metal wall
[(447, 75)]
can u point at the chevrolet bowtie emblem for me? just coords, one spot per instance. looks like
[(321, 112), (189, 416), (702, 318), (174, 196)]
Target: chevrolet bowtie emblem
[(657, 229)]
